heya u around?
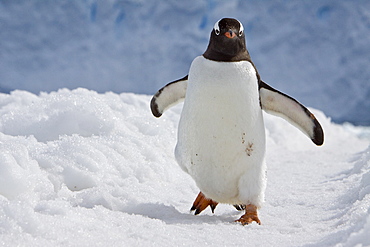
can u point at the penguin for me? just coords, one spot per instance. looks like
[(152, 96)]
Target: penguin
[(221, 133)]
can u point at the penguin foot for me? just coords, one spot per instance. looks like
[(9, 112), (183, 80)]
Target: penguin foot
[(249, 216), (239, 207), (201, 203)]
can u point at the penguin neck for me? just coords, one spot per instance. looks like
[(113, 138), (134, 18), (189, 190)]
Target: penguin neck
[(214, 55)]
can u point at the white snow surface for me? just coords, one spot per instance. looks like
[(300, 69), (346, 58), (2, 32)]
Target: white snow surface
[(79, 168)]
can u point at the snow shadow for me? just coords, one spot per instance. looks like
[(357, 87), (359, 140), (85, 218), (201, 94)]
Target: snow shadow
[(170, 215)]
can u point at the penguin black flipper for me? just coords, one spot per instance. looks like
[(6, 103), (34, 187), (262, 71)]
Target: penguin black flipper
[(282, 105), (169, 95)]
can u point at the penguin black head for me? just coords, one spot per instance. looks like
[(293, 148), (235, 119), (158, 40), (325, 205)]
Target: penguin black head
[(227, 42)]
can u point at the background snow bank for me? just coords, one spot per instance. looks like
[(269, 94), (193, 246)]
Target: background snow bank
[(316, 51), (88, 169)]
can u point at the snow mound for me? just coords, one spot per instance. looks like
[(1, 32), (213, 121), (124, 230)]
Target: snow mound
[(89, 169)]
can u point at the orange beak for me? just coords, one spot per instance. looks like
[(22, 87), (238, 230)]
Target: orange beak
[(230, 34)]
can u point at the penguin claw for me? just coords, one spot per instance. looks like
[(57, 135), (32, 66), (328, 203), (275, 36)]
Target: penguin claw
[(249, 216), (201, 203), (239, 207), (213, 206)]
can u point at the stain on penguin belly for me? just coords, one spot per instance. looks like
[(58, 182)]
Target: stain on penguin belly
[(249, 149)]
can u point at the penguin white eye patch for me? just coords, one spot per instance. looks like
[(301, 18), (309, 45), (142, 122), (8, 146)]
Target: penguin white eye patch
[(241, 29), (216, 27)]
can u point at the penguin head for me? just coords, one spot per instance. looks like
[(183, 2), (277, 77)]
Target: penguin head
[(227, 42)]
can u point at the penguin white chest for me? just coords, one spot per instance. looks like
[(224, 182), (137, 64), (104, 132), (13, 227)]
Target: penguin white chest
[(221, 139)]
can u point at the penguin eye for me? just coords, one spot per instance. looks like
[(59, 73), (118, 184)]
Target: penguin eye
[(217, 31), (240, 32)]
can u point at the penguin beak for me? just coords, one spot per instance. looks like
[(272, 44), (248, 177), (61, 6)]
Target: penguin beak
[(230, 34)]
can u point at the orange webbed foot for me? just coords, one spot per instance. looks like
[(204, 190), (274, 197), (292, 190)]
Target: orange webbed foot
[(201, 203), (249, 216)]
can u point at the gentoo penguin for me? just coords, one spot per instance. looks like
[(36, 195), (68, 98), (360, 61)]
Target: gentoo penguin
[(221, 134)]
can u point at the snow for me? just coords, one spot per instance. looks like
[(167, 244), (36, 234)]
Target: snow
[(79, 168), (316, 51)]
